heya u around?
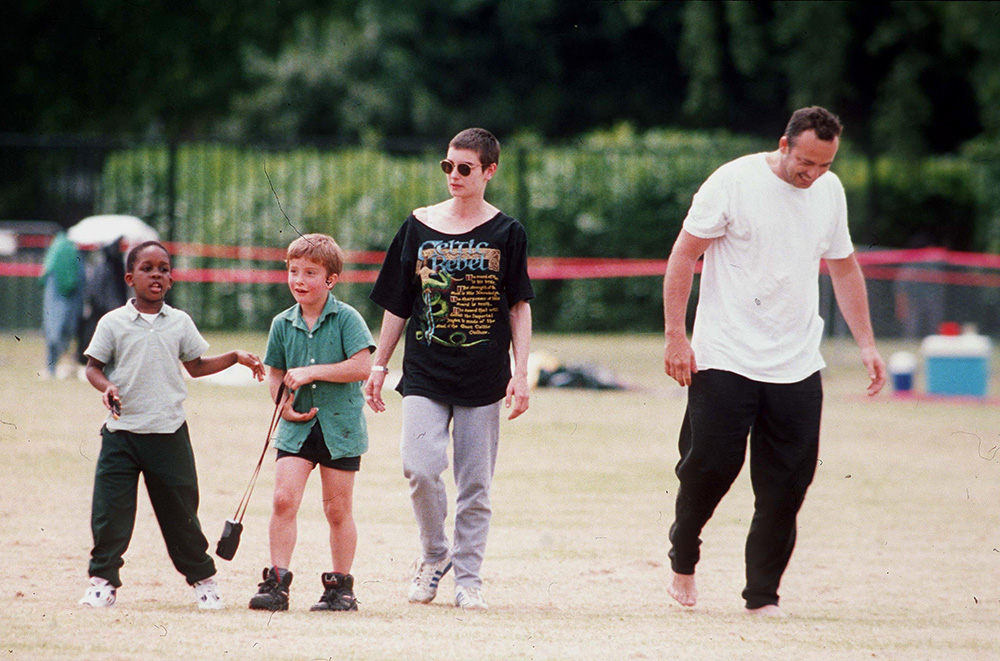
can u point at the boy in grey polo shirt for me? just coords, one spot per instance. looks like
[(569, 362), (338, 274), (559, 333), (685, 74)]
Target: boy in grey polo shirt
[(134, 359)]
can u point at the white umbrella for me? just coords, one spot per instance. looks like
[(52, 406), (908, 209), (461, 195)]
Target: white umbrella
[(102, 230)]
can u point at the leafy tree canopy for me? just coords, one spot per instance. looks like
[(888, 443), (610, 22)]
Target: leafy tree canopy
[(906, 77)]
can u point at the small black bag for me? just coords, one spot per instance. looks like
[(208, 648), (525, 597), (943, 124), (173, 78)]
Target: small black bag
[(230, 540)]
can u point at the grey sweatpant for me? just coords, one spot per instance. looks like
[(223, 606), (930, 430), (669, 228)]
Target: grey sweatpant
[(475, 432)]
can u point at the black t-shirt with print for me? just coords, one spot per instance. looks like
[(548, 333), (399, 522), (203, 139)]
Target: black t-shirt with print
[(456, 290)]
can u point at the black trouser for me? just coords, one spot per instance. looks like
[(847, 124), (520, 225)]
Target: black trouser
[(166, 461), (782, 421)]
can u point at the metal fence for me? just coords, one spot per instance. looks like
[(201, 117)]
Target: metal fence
[(575, 201)]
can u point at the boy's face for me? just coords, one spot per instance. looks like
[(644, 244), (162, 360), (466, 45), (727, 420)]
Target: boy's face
[(474, 184), (150, 277), (309, 282)]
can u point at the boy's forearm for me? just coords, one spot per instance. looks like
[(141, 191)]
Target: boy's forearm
[(96, 376), (355, 368), (274, 380), (204, 366)]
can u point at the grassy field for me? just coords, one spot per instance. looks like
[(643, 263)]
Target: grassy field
[(898, 554)]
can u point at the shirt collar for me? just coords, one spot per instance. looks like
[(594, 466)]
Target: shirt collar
[(331, 308), (134, 311)]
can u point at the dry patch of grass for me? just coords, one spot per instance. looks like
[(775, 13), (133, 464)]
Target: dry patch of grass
[(897, 554)]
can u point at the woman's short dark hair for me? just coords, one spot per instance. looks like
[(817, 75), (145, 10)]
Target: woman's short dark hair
[(480, 141)]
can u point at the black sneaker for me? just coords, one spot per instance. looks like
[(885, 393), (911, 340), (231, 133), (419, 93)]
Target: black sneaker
[(338, 593), (272, 594)]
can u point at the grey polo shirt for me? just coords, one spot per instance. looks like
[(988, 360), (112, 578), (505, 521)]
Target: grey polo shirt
[(144, 361), (339, 333)]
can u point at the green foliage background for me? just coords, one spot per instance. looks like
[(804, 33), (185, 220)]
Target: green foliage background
[(611, 194)]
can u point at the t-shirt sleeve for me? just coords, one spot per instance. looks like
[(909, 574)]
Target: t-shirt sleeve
[(840, 243), (354, 332), (518, 286), (193, 345), (708, 216), (102, 345), (393, 288), (274, 355)]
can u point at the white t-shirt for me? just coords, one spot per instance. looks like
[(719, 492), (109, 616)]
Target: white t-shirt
[(758, 303)]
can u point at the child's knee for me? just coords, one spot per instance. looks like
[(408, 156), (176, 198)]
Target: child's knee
[(285, 503), (338, 511)]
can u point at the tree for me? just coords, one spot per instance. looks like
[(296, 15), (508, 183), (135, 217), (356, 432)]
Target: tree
[(102, 66)]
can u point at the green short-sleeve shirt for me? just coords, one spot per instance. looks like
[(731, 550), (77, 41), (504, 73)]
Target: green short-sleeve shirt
[(339, 333)]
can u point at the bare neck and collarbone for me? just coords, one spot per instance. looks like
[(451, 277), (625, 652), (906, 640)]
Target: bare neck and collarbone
[(456, 216), (467, 207)]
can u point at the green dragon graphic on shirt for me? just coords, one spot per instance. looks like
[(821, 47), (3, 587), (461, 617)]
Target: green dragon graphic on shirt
[(435, 293)]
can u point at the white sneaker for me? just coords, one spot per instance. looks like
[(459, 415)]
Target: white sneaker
[(100, 594), (426, 576), (208, 596), (470, 599)]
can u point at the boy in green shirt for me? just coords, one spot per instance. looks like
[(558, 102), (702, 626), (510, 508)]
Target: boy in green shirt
[(320, 349)]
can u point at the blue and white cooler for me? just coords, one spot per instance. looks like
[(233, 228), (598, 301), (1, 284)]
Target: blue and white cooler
[(957, 364)]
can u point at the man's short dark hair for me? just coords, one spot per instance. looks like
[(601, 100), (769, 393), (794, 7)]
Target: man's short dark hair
[(826, 125), (480, 141)]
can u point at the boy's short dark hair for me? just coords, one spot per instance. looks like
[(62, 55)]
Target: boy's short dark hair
[(133, 254), (320, 248), (480, 141), (814, 118)]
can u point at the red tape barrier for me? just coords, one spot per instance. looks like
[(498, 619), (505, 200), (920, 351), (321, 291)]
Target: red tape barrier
[(878, 265)]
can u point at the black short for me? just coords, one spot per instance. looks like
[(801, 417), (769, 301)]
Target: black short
[(314, 450)]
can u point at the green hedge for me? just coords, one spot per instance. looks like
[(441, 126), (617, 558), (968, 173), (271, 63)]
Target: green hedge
[(611, 194)]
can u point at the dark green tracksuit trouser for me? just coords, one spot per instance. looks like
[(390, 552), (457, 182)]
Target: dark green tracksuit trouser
[(166, 462)]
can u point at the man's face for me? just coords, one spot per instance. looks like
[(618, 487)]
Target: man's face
[(807, 159)]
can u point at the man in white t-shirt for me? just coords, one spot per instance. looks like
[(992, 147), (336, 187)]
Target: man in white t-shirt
[(763, 222)]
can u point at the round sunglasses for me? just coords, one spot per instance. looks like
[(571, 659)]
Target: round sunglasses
[(464, 169)]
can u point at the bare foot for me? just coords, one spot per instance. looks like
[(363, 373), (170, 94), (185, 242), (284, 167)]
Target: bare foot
[(771, 610), (683, 590)]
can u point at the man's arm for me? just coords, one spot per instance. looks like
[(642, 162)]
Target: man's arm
[(852, 299), (678, 357), (391, 331), (520, 328)]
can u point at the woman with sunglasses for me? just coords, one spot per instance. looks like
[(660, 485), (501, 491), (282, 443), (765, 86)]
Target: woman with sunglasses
[(455, 278)]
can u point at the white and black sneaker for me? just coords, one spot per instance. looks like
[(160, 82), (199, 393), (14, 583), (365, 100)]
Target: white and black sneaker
[(100, 594), (207, 594), (469, 599), (426, 577)]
